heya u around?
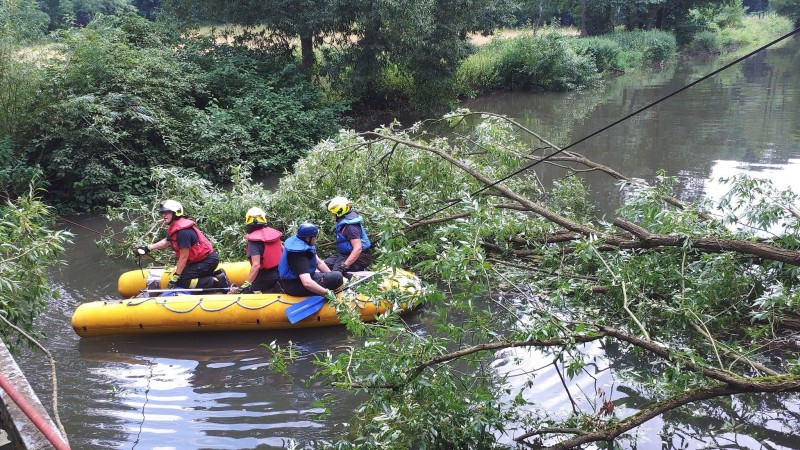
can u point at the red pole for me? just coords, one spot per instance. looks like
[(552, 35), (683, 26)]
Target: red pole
[(52, 435)]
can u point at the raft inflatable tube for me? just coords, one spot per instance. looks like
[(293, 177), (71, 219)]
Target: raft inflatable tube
[(223, 312), (133, 282)]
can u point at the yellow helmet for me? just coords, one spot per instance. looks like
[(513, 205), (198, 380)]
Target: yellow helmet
[(255, 214), (339, 206)]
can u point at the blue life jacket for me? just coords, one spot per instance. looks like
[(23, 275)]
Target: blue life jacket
[(342, 243), (295, 244)]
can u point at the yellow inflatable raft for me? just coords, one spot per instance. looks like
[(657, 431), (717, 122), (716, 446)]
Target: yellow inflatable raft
[(219, 311)]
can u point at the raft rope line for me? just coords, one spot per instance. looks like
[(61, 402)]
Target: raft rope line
[(617, 122), (360, 304)]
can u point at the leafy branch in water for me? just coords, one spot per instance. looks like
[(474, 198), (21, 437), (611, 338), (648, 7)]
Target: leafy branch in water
[(682, 306), (28, 248)]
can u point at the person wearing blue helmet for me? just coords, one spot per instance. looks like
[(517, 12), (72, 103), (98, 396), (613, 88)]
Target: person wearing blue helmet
[(301, 272)]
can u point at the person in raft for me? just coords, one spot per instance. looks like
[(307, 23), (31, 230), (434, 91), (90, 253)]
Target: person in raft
[(354, 250), (263, 251), (197, 259), (302, 272)]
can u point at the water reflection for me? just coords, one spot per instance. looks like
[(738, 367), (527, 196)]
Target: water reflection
[(211, 391), (746, 113)]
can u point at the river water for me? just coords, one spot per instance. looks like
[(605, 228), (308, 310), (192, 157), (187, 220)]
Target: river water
[(213, 391)]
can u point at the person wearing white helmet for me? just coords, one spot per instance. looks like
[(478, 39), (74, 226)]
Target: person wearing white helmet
[(197, 259), (354, 249), (264, 251)]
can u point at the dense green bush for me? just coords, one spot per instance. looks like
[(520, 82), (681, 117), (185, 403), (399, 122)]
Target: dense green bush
[(654, 45), (127, 95), (527, 62), (257, 107), (789, 8), (753, 31), (604, 52), (555, 63), (706, 41)]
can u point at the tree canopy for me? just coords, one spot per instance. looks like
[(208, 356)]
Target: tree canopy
[(364, 42)]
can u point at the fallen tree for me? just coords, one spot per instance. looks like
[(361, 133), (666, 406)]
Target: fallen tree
[(691, 302)]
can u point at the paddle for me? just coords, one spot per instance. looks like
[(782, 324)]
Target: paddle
[(311, 305), (304, 308)]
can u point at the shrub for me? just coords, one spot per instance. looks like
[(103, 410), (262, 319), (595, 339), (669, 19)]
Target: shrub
[(123, 99), (706, 41), (529, 63), (604, 52)]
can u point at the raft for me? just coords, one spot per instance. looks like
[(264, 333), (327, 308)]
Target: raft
[(227, 312)]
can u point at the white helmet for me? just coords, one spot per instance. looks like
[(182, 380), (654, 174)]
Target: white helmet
[(173, 206)]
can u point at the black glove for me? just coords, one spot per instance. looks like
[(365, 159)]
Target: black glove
[(141, 251), (344, 267)]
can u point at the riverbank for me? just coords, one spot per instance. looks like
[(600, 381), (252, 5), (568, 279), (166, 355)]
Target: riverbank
[(558, 60)]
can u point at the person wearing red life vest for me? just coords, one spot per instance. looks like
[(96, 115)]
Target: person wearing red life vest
[(197, 259), (264, 251)]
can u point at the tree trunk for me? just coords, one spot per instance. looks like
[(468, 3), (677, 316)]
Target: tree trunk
[(584, 28), (652, 15), (307, 52)]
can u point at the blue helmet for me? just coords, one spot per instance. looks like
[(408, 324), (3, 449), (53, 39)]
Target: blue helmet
[(307, 229)]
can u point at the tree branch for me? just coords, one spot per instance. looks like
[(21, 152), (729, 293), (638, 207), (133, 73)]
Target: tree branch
[(422, 223), (646, 239), (791, 384)]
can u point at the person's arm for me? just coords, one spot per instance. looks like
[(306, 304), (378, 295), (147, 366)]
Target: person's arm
[(353, 256), (255, 266), (321, 266), (158, 245), (312, 285)]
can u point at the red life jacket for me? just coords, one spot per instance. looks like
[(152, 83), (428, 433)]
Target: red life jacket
[(196, 252), (272, 245)]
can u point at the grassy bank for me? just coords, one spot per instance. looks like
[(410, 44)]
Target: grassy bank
[(563, 61)]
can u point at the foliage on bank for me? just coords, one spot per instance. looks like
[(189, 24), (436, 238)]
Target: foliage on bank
[(96, 109), (124, 94), (692, 290), (750, 32), (29, 247), (550, 62)]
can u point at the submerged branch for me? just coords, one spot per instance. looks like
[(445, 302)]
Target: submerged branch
[(613, 431)]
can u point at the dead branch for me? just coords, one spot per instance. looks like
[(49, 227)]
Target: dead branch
[(499, 187), (795, 212), (581, 159)]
